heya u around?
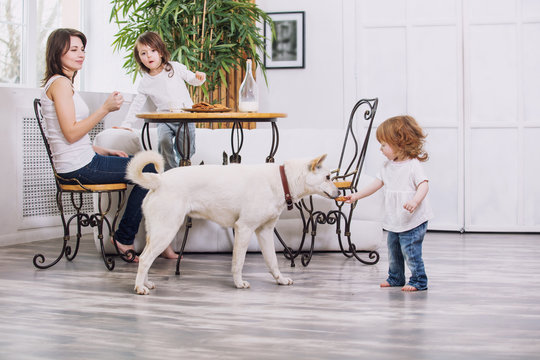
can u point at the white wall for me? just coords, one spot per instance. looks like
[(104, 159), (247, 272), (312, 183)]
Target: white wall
[(467, 70), (502, 114), (406, 53)]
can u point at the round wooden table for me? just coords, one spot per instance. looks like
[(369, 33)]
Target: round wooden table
[(184, 118)]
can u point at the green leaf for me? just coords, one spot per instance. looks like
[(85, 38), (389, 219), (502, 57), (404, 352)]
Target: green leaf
[(230, 33)]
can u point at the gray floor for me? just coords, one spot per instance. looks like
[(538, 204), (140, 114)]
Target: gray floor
[(483, 302)]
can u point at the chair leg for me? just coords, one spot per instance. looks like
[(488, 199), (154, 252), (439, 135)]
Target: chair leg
[(100, 218), (39, 259), (288, 252), (373, 255), (82, 220), (306, 257), (189, 224)]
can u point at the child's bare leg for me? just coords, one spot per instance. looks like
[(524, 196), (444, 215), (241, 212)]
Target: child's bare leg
[(409, 288), (169, 253)]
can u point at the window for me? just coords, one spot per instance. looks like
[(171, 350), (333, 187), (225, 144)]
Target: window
[(24, 28)]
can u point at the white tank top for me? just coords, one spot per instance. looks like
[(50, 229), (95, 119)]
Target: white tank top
[(66, 157)]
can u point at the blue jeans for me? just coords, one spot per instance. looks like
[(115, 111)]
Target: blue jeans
[(109, 170), (166, 142), (407, 247)]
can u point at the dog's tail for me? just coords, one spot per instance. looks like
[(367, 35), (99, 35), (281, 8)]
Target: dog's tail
[(147, 180)]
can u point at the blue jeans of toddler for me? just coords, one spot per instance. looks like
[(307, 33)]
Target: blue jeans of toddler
[(407, 247)]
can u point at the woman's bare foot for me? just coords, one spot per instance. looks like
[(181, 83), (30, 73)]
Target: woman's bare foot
[(125, 248), (385, 284), (409, 288), (169, 253)]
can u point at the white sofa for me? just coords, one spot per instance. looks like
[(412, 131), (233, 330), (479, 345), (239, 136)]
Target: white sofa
[(207, 236)]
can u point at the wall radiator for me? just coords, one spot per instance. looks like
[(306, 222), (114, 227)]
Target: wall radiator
[(38, 186)]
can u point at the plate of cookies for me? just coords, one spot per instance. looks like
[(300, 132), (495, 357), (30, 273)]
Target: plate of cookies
[(206, 107)]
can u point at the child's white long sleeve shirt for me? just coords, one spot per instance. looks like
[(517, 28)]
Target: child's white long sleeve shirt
[(164, 90)]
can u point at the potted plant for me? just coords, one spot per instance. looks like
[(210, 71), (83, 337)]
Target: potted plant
[(212, 36)]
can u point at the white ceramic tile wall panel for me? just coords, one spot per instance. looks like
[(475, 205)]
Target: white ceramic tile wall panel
[(415, 66), (490, 11), (444, 169), (531, 185), (432, 11), (502, 113), (383, 69), (531, 10), (434, 80), (492, 59), (531, 78), (351, 46), (494, 180), (383, 12)]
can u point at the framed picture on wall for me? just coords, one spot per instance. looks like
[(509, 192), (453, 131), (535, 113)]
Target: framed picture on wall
[(286, 48)]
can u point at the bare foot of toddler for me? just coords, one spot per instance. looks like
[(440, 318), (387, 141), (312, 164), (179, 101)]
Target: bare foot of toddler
[(169, 253), (385, 284), (409, 288)]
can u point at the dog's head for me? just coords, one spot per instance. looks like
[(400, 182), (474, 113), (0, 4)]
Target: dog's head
[(313, 178)]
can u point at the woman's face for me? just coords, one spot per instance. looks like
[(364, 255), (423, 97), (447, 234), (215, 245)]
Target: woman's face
[(151, 58), (73, 59)]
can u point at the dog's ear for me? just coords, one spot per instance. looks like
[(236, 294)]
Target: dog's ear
[(317, 162)]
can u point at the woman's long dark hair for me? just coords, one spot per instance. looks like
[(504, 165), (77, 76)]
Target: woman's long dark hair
[(58, 44)]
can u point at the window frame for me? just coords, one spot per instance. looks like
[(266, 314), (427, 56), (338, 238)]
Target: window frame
[(29, 78)]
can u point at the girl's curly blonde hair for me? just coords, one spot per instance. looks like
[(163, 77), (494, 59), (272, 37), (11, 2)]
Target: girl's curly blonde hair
[(405, 136)]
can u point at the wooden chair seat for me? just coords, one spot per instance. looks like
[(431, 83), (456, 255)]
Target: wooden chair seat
[(343, 184), (93, 187)]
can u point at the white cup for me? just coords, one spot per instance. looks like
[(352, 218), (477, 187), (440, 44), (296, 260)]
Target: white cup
[(176, 106)]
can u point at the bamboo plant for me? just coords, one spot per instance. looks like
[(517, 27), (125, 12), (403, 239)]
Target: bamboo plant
[(212, 36)]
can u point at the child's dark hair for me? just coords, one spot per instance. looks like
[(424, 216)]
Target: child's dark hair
[(154, 41), (58, 44), (404, 135)]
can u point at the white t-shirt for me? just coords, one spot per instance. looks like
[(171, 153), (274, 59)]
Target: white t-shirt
[(163, 91), (401, 179), (66, 157)]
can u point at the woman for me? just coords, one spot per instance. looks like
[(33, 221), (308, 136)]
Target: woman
[(67, 123)]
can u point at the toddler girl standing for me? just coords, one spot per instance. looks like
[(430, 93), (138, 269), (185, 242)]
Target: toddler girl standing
[(406, 205), (163, 82)]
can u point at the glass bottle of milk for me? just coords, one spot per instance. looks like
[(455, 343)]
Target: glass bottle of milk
[(248, 99)]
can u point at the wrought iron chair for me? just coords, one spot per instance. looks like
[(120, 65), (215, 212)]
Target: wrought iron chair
[(75, 189), (346, 179)]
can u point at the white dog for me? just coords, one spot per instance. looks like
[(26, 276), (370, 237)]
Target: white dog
[(249, 198)]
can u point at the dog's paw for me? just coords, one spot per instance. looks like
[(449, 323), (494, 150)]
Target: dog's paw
[(284, 281), (142, 290), (242, 284), (150, 284)]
